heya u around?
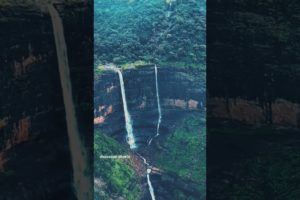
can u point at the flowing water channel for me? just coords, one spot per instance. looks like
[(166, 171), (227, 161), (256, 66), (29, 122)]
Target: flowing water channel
[(158, 106)]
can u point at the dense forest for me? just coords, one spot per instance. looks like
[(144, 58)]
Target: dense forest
[(150, 31)]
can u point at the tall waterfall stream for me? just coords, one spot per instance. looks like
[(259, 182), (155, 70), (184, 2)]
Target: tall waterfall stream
[(82, 184), (128, 122)]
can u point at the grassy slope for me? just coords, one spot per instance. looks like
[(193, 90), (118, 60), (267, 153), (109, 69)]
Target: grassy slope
[(119, 176), (185, 155)]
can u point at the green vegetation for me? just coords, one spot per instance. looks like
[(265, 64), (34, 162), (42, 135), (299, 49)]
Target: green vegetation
[(271, 175), (136, 64), (150, 31), (99, 69), (198, 68), (190, 67), (185, 151), (118, 175)]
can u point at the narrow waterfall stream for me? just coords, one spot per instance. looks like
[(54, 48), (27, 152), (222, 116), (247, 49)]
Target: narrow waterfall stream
[(129, 129), (158, 102), (158, 105), (82, 183), (151, 190)]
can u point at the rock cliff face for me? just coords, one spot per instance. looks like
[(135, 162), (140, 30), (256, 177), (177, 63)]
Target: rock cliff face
[(34, 153), (179, 92)]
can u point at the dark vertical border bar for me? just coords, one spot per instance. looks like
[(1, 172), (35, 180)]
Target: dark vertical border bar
[(35, 161), (253, 100)]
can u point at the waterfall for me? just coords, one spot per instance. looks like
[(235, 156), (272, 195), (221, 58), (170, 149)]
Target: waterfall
[(158, 102), (169, 9), (158, 105), (82, 183), (150, 185), (128, 121), (151, 190), (168, 13), (129, 129)]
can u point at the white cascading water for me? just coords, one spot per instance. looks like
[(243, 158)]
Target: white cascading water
[(82, 183), (158, 102), (158, 105), (151, 190), (129, 129)]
